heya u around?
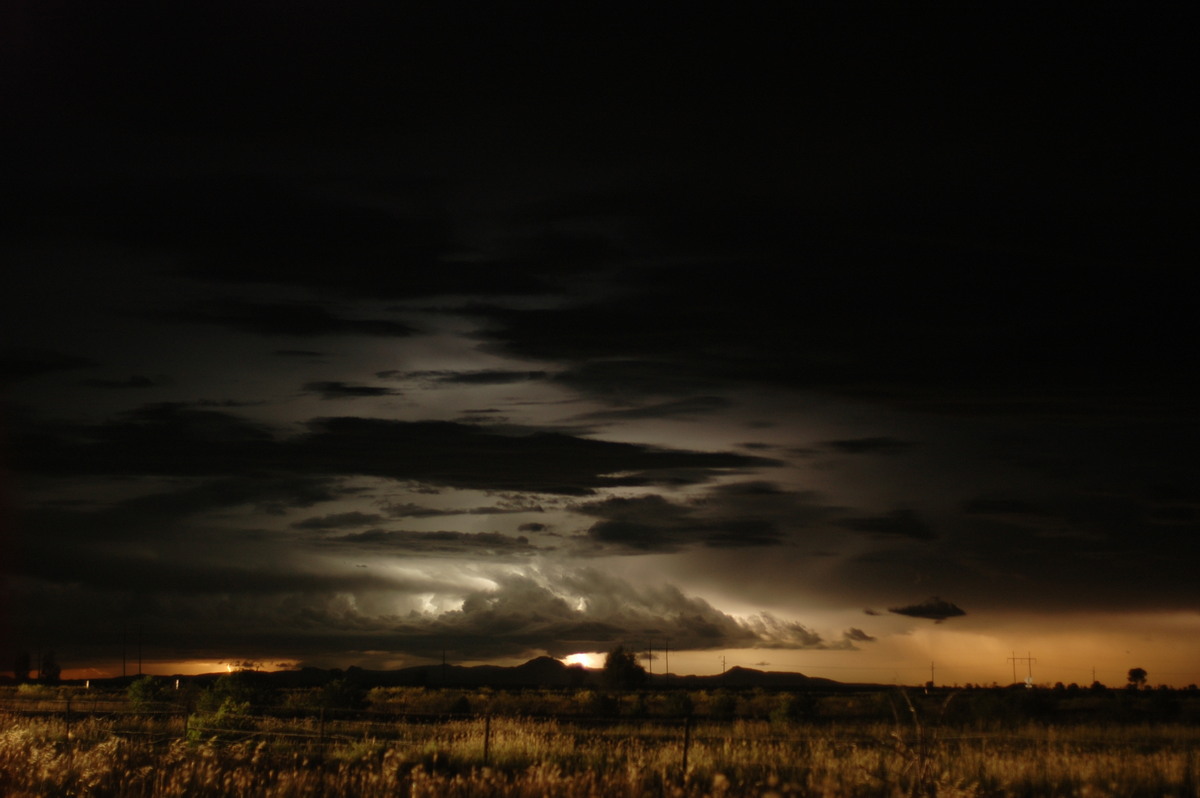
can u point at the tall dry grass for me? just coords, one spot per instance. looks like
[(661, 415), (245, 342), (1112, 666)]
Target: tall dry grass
[(100, 758)]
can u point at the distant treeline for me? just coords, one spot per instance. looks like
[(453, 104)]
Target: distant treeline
[(255, 693)]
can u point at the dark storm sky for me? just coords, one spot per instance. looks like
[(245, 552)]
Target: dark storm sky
[(353, 333)]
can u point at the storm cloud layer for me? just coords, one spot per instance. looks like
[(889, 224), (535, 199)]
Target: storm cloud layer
[(359, 337)]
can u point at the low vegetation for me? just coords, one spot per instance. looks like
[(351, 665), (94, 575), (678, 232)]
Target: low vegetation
[(234, 739)]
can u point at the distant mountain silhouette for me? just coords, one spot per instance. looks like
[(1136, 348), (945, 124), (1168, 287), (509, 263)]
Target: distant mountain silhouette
[(738, 676), (544, 672), (539, 672)]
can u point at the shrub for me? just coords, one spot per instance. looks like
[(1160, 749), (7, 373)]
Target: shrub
[(343, 694), (591, 702), (793, 706), (723, 705), (678, 704), (146, 692), (239, 687)]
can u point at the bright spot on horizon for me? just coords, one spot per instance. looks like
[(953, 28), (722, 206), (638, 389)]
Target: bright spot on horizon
[(586, 659)]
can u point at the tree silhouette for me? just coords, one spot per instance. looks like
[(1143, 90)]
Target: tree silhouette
[(49, 670), (21, 667), (1137, 677), (621, 669)]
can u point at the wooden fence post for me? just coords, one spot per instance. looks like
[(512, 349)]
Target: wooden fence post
[(68, 717), (687, 742), (487, 736)]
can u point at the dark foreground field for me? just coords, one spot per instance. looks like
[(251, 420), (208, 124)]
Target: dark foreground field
[(667, 746)]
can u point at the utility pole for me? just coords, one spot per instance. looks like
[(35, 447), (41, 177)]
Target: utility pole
[(722, 664), (931, 679), (1028, 660), (667, 658)]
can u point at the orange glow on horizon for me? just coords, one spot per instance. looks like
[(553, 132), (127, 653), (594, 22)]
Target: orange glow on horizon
[(979, 650), (193, 667), (590, 659)]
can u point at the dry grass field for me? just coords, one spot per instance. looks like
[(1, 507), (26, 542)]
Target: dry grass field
[(286, 754)]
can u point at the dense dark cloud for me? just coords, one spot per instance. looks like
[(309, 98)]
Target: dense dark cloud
[(334, 389), (516, 504), (465, 456), (1062, 359), (442, 542), (904, 523), (1113, 558), (1002, 507), (156, 515), (249, 229), (488, 377), (23, 364), (877, 444), (934, 608), (302, 319), (305, 353), (413, 510), (679, 408), (170, 439), (348, 520), (735, 515), (651, 523), (1175, 514), (858, 635), (218, 581), (633, 379), (227, 404), (135, 381)]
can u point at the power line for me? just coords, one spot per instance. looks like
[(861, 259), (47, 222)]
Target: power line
[(1028, 660)]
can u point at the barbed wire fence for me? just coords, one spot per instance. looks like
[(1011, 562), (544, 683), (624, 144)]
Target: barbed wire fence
[(322, 728)]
